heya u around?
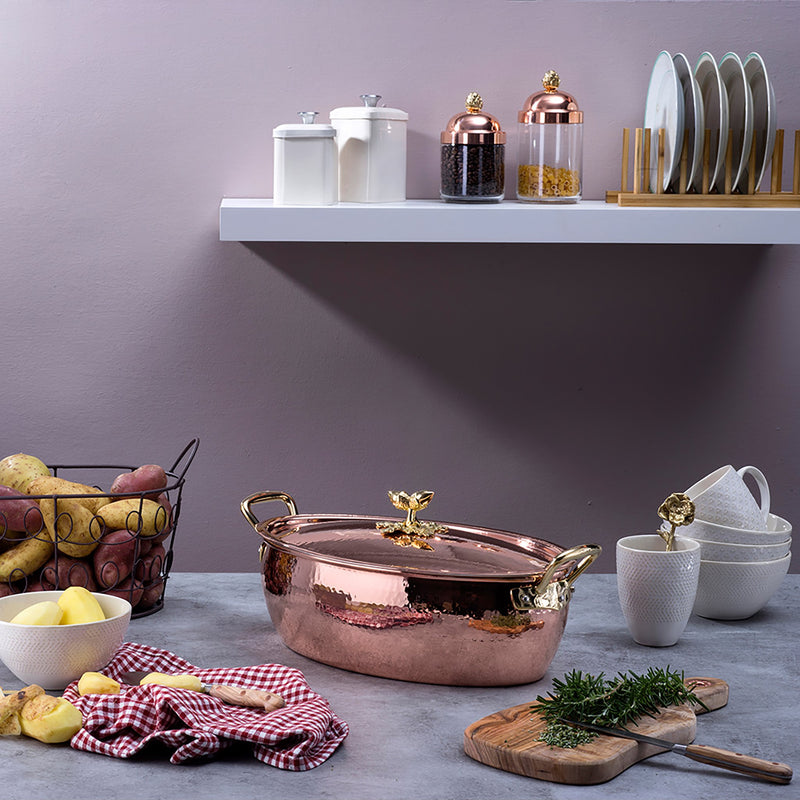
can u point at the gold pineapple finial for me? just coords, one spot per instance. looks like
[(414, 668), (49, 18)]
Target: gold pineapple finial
[(474, 102), (551, 81)]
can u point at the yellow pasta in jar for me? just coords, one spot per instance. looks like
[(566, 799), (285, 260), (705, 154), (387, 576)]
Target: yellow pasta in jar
[(541, 180)]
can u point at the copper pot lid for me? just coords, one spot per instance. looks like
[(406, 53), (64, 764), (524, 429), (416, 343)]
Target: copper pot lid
[(473, 126), (551, 105), (410, 545)]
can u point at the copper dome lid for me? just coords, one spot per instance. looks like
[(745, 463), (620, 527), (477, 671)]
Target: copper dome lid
[(551, 105), (473, 126)]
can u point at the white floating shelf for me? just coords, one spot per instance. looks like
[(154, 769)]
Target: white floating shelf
[(590, 221)]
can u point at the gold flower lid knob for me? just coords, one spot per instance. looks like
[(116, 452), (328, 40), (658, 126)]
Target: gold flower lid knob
[(551, 105), (473, 126)]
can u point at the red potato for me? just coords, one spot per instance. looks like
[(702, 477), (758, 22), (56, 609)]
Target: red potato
[(68, 572), (147, 478), (163, 500), (18, 512), (151, 594), (113, 557), (149, 568), (130, 590)]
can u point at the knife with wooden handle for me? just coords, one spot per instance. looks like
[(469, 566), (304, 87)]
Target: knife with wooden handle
[(772, 771), (234, 695)]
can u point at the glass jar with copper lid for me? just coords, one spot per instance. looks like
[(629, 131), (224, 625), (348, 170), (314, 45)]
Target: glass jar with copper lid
[(550, 146), (473, 156)]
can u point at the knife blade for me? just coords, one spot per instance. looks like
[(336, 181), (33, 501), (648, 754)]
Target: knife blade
[(233, 695), (773, 771)]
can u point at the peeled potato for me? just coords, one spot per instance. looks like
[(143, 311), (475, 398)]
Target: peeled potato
[(181, 681), (50, 719), (48, 612), (79, 605), (97, 683)]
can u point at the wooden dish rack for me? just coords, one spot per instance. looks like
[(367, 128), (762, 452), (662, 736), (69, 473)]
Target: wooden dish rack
[(679, 195)]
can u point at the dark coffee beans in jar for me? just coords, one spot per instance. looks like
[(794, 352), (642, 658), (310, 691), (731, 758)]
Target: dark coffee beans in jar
[(473, 172)]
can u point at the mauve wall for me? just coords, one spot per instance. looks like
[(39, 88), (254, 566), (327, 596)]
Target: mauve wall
[(559, 390)]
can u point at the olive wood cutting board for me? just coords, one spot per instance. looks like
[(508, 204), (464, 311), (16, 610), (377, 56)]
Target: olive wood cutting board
[(509, 740)]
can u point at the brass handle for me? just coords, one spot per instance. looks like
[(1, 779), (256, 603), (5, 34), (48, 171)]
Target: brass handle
[(265, 497), (547, 593)]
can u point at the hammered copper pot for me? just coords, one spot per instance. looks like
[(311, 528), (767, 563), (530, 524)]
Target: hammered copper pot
[(415, 600)]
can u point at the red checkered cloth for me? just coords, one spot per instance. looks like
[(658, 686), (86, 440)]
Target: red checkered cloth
[(300, 736)]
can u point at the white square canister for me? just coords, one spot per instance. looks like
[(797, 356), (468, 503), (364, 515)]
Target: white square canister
[(306, 168), (372, 151)]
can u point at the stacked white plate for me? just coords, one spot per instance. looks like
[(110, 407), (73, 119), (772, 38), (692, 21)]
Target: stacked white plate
[(730, 97)]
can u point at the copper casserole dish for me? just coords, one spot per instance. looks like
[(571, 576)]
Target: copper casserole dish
[(415, 600)]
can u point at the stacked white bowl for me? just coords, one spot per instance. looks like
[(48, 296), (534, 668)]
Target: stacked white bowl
[(744, 549)]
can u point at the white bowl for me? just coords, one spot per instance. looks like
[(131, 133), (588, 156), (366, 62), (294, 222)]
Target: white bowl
[(778, 530), (723, 551), (53, 656), (737, 590)]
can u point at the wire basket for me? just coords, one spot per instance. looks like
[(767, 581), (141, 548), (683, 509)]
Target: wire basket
[(66, 541)]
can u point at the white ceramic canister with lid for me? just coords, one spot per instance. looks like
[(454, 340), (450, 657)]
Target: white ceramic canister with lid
[(372, 151), (306, 164)]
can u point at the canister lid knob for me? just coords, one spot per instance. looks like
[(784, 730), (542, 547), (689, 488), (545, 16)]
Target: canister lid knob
[(473, 126), (551, 105), (308, 117), (370, 100)]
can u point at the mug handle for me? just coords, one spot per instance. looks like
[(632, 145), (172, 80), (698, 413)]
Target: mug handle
[(763, 487)]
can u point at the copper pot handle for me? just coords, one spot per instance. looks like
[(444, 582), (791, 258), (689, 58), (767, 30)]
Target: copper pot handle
[(265, 497), (547, 593)]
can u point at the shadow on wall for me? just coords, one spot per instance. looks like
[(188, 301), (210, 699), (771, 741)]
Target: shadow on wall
[(597, 347)]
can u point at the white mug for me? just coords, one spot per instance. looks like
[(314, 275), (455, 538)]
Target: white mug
[(657, 587), (724, 498)]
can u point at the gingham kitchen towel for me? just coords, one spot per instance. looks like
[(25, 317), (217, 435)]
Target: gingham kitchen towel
[(300, 736)]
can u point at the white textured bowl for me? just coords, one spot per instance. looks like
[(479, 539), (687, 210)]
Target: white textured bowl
[(719, 551), (778, 530), (53, 656), (737, 590)]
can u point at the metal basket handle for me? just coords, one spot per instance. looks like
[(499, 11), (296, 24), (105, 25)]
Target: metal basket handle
[(191, 449)]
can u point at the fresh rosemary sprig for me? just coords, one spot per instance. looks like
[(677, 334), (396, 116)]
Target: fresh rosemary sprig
[(614, 703)]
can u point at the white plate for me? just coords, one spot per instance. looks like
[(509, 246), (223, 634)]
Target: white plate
[(715, 108), (764, 119), (740, 115), (664, 109), (693, 120)]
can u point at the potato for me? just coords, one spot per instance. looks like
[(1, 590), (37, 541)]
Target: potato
[(151, 594), (145, 517), (97, 683), (50, 719), (74, 529), (19, 470), (163, 500), (18, 512), (67, 572), (147, 478), (113, 558), (48, 612), (61, 486), (22, 560), (79, 606), (150, 566), (130, 590)]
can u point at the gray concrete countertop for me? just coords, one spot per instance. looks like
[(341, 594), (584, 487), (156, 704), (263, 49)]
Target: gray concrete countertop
[(406, 739)]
